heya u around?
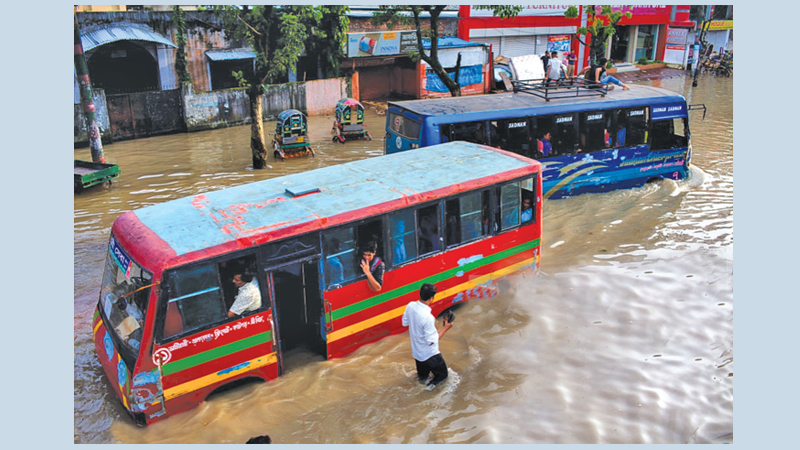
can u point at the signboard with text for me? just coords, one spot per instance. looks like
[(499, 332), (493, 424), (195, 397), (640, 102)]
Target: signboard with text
[(381, 43), (677, 36), (527, 10)]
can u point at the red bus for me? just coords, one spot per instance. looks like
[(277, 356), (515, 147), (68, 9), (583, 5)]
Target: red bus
[(462, 216)]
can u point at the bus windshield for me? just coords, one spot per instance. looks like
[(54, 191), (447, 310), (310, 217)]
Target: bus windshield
[(124, 297), (404, 126)]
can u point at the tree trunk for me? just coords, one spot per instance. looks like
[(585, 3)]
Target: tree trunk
[(87, 99), (257, 144)]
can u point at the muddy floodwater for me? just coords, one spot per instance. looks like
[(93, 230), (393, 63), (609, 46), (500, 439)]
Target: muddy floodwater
[(626, 336)]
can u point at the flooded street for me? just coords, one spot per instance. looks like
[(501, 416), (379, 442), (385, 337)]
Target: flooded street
[(625, 337)]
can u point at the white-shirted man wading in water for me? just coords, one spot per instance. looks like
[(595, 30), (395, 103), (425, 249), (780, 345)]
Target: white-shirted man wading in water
[(424, 338)]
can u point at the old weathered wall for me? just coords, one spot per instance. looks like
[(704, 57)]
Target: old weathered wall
[(209, 110), (322, 95), (101, 111)]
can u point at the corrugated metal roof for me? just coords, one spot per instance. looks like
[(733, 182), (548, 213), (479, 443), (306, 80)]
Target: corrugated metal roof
[(227, 55), (97, 35)]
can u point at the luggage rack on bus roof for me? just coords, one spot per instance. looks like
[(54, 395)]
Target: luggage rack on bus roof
[(577, 87)]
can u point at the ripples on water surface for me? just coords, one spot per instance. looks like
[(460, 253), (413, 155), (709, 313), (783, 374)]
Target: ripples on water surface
[(625, 337)]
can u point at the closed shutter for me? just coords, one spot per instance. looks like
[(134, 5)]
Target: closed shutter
[(519, 46), (493, 41)]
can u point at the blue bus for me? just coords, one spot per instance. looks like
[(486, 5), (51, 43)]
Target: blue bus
[(588, 140)]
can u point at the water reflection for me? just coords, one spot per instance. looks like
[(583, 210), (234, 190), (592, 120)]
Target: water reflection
[(626, 336)]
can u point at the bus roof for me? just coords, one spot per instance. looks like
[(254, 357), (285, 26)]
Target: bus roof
[(636, 95), (267, 210)]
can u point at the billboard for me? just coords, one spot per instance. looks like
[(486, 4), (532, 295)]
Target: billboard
[(381, 43)]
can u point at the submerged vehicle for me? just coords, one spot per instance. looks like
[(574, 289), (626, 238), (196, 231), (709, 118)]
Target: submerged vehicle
[(291, 135), (166, 330), (349, 122)]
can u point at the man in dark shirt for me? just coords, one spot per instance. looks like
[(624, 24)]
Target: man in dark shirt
[(372, 266), (545, 60)]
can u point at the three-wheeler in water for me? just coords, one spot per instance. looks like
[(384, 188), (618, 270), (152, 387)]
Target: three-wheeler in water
[(291, 135), (349, 121), (89, 174)]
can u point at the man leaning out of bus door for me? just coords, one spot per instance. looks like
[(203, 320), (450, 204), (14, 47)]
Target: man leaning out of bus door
[(249, 296), (372, 266)]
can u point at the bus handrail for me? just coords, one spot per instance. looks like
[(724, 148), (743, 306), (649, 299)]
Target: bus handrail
[(564, 88), (698, 106)]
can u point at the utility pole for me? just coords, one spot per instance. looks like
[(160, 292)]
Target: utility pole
[(87, 98)]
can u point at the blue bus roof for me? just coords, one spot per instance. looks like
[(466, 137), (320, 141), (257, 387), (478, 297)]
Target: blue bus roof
[(206, 220), (506, 104)]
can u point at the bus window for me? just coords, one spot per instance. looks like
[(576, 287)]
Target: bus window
[(340, 256), (528, 200), (509, 206), (669, 134), (197, 297), (631, 127), (543, 133), (403, 237), (468, 131), (428, 229), (404, 126), (343, 250), (593, 128), (565, 135), (513, 136), (464, 218), (227, 269), (124, 300)]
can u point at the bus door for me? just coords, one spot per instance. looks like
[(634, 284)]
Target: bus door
[(298, 309)]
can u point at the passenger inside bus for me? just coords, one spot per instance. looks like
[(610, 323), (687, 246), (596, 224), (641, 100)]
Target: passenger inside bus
[(527, 211), (399, 246), (249, 296), (335, 267), (545, 147), (372, 266)]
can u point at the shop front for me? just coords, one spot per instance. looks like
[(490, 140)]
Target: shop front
[(537, 28), (643, 35)]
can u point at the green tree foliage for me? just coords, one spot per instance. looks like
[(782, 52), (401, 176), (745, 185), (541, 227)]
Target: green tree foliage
[(601, 21), (329, 37), (393, 16), (180, 38), (278, 34)]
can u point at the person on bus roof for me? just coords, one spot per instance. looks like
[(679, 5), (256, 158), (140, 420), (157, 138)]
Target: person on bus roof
[(372, 266), (249, 296), (597, 74)]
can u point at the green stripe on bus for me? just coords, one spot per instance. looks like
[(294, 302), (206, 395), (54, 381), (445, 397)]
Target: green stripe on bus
[(200, 358), (378, 299)]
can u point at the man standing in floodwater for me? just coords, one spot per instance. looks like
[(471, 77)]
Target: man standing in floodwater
[(424, 338)]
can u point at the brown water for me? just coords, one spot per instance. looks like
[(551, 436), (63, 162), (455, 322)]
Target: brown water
[(625, 337)]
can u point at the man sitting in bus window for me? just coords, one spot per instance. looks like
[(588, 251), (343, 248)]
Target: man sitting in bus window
[(249, 296), (527, 211), (372, 266), (544, 144)]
